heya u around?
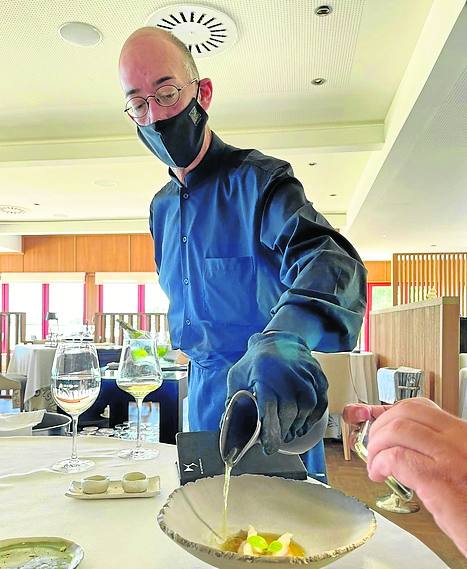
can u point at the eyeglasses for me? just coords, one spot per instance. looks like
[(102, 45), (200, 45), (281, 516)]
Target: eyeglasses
[(165, 96)]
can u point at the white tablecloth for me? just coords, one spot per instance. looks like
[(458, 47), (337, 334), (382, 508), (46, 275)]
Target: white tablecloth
[(121, 534), (34, 361), (463, 393), (363, 367)]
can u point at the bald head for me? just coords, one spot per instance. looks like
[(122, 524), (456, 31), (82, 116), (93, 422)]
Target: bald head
[(152, 41)]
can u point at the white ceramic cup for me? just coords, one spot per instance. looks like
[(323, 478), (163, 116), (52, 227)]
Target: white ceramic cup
[(96, 484), (135, 482)]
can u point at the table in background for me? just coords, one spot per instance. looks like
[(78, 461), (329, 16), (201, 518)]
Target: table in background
[(35, 362), (463, 393), (363, 372), (121, 534), (363, 368)]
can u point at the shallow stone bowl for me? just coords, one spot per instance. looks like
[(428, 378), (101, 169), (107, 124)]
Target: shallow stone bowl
[(325, 522)]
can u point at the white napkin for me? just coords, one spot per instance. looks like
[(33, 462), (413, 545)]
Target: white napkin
[(15, 424)]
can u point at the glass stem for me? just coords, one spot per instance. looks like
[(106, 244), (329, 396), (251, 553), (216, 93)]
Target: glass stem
[(139, 405), (74, 454)]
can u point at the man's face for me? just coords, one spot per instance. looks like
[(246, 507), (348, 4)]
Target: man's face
[(148, 62)]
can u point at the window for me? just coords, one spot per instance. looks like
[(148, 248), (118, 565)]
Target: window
[(67, 301), (155, 298), (27, 297), (120, 297), (379, 296)]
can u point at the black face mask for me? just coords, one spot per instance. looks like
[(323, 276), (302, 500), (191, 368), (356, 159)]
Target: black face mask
[(176, 141)]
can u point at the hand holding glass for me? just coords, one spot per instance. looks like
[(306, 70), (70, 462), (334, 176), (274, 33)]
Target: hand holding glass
[(76, 382), (139, 373)]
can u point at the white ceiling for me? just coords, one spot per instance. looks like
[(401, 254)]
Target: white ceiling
[(65, 143)]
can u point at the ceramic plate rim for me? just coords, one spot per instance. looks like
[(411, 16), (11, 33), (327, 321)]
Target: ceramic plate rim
[(330, 554), (79, 550)]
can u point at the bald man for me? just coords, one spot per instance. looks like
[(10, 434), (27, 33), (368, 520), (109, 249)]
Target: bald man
[(255, 276)]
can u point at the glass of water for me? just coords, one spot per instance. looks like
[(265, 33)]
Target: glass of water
[(76, 382)]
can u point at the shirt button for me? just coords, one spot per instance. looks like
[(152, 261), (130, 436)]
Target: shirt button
[(186, 281), (186, 196), (184, 239), (187, 322)]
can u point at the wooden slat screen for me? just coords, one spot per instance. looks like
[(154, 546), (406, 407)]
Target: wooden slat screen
[(418, 276)]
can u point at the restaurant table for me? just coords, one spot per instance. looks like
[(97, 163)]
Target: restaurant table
[(124, 534), (363, 368), (363, 371), (35, 362), (463, 393)]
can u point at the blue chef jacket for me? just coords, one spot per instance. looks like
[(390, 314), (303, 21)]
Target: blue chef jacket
[(239, 249)]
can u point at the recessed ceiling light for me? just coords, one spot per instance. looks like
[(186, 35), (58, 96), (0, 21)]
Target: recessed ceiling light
[(433, 245), (80, 34), (36, 204), (312, 163), (12, 209), (318, 81), (332, 195), (105, 183), (323, 10)]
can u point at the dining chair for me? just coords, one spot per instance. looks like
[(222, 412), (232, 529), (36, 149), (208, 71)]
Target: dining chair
[(15, 382), (341, 390)]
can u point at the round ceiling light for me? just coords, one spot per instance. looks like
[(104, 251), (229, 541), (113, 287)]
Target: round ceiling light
[(318, 81), (204, 30), (323, 10), (12, 209), (80, 34)]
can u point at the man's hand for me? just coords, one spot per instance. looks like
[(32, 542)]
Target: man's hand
[(426, 449), (289, 385)]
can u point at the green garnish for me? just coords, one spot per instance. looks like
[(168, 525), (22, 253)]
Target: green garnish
[(257, 542), (274, 546), (139, 353)]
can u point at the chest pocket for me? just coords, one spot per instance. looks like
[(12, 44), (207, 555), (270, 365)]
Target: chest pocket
[(229, 290)]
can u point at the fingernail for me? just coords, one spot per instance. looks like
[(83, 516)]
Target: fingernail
[(362, 415)]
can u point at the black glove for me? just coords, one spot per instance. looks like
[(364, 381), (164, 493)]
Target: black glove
[(289, 385)]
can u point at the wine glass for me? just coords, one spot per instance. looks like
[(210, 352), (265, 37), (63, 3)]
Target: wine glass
[(163, 343), (139, 373), (76, 382)]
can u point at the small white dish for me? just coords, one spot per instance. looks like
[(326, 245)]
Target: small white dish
[(96, 484), (115, 490), (135, 482)]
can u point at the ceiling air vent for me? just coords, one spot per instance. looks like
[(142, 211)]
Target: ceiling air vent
[(203, 30), (12, 209)]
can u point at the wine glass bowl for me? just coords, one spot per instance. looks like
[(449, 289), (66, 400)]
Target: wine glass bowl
[(163, 343), (139, 374), (75, 385)]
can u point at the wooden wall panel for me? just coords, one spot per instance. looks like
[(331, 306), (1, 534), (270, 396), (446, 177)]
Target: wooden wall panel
[(49, 253), (11, 263), (424, 335), (378, 271), (95, 253), (142, 254)]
